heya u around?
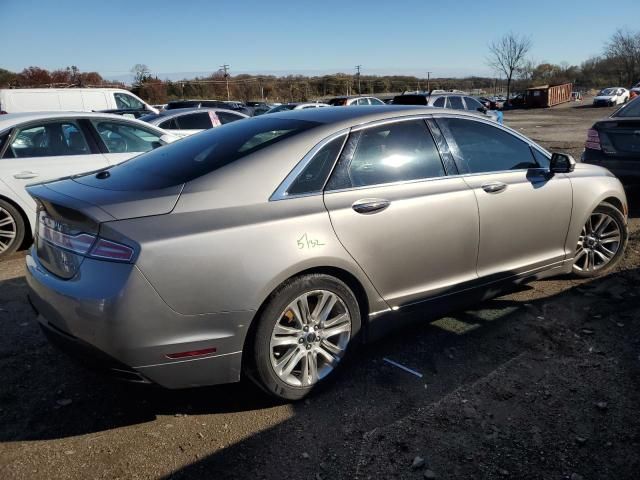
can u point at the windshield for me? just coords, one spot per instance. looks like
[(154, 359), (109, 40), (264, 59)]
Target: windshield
[(337, 102), (631, 109), (198, 155), (607, 92)]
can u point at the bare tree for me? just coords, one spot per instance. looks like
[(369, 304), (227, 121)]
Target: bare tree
[(508, 55), (141, 73), (623, 49)]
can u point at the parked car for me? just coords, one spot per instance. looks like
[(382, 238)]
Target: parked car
[(36, 147), (16, 100), (274, 245), (614, 143), (260, 107), (608, 97), (183, 122), (354, 100), (284, 107), (452, 101), (235, 106)]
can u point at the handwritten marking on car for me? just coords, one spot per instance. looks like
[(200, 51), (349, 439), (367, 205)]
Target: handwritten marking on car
[(305, 242)]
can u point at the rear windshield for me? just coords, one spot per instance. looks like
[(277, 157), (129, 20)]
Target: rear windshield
[(631, 109), (149, 117), (184, 104), (198, 155), (410, 100), (282, 108)]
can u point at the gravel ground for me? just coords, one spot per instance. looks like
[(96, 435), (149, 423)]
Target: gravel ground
[(540, 383)]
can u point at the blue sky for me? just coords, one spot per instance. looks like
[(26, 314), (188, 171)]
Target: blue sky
[(178, 38)]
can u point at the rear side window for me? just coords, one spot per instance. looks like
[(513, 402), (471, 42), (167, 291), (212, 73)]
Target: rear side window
[(200, 154), (375, 101), (194, 121), (226, 117), (52, 139), (485, 148), (391, 153), (315, 174)]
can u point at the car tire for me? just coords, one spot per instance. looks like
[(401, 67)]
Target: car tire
[(597, 242), (308, 367), (12, 229)]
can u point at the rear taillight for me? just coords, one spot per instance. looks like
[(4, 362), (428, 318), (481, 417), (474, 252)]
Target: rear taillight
[(593, 140), (108, 250), (86, 244)]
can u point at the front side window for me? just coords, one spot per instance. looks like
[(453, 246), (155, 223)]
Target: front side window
[(48, 140), (363, 101), (314, 175), (485, 148), (439, 102), (391, 153), (375, 101), (194, 121), (473, 104), (127, 102), (124, 137)]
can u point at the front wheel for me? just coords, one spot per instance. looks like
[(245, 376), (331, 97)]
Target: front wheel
[(601, 243), (303, 334)]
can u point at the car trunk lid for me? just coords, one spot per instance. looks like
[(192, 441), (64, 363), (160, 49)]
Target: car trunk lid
[(620, 137), (70, 215)]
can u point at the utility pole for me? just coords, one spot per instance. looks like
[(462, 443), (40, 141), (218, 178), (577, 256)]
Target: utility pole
[(428, 82), (225, 68), (358, 75)]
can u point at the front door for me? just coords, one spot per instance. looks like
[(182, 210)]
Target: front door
[(524, 211), (412, 229)]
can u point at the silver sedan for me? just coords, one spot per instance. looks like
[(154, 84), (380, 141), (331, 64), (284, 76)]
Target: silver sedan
[(275, 245)]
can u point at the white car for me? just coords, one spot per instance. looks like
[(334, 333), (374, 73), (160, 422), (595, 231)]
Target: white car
[(183, 122), (16, 100), (36, 147), (608, 97)]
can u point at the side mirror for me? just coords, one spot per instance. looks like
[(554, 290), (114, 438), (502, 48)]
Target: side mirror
[(562, 163), (482, 109)]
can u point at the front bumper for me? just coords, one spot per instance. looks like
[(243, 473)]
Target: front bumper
[(109, 315)]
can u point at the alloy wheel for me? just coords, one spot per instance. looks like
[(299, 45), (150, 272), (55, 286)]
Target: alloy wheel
[(8, 230), (310, 338), (598, 243)]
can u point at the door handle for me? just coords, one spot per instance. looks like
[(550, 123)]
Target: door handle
[(370, 205), (25, 175), (494, 187)]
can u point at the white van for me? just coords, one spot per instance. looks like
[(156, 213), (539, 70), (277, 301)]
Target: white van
[(69, 99)]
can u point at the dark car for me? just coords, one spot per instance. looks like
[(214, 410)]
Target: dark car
[(614, 143)]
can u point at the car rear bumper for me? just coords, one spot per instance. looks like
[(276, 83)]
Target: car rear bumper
[(627, 169), (111, 317)]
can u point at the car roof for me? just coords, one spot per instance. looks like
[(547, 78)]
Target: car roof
[(346, 117), (11, 119)]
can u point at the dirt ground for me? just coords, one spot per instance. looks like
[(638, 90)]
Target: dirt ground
[(542, 383)]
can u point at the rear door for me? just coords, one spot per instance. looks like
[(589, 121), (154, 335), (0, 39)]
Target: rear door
[(48, 150), (121, 140), (412, 228), (524, 211)]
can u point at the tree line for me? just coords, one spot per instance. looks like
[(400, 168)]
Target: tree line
[(618, 65)]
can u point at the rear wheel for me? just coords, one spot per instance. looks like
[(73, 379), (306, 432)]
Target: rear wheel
[(11, 229), (303, 335), (601, 243)]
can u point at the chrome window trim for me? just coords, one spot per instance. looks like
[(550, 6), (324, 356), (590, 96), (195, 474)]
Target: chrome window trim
[(281, 192)]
